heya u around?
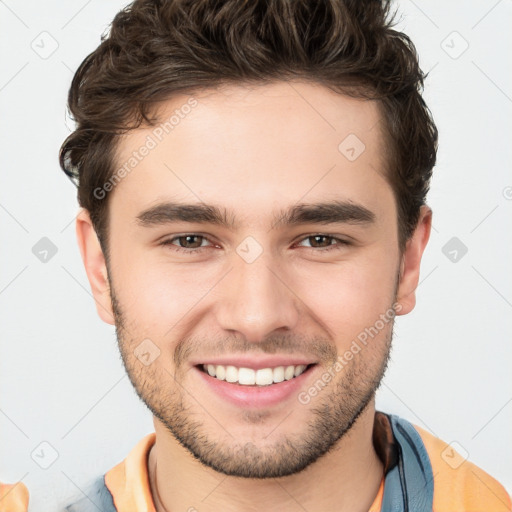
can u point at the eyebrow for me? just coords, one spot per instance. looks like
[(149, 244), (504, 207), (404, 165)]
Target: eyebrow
[(329, 212)]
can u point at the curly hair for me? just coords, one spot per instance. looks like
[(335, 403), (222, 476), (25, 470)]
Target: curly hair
[(158, 48)]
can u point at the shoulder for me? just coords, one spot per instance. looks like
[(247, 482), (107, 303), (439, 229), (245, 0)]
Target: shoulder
[(123, 487), (97, 497), (460, 485), (13, 497)]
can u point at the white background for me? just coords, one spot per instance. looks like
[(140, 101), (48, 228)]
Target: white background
[(61, 378)]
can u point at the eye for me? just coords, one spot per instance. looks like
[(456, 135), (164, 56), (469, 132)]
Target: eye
[(188, 243), (318, 242)]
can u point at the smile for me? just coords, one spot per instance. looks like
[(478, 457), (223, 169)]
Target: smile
[(250, 377)]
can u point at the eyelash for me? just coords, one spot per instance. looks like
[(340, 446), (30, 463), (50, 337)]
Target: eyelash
[(341, 243)]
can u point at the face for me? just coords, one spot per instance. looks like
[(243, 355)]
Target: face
[(254, 268)]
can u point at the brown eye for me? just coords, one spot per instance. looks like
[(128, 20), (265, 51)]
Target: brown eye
[(318, 240), (323, 243), (190, 243)]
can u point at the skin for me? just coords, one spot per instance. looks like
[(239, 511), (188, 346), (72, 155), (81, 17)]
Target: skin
[(255, 150)]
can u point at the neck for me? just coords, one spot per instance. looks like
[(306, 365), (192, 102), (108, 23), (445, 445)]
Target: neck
[(347, 478)]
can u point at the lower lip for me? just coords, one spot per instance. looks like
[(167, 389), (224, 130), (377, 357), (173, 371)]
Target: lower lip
[(256, 396)]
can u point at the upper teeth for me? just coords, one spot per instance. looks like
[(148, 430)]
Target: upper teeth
[(249, 377)]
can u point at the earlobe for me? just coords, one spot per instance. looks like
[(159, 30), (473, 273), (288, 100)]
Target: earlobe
[(411, 260), (95, 266)]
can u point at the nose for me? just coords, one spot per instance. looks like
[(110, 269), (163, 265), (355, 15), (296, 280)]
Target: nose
[(256, 300)]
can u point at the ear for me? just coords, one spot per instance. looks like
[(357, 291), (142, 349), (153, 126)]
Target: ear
[(95, 265), (410, 262)]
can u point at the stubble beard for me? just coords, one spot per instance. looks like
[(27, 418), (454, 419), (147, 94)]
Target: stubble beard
[(333, 412)]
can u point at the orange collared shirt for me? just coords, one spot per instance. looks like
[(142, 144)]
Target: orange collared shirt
[(461, 487), (128, 482)]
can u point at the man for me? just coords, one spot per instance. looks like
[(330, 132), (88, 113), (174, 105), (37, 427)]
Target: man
[(253, 178)]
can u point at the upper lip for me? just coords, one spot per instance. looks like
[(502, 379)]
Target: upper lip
[(256, 363)]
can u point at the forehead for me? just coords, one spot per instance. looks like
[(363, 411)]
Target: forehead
[(249, 146)]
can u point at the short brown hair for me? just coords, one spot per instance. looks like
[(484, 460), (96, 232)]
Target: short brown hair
[(158, 48)]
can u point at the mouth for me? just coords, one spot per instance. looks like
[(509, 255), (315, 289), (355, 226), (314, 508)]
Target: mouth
[(250, 377)]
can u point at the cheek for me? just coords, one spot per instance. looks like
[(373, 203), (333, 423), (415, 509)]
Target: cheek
[(161, 296), (349, 296)]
